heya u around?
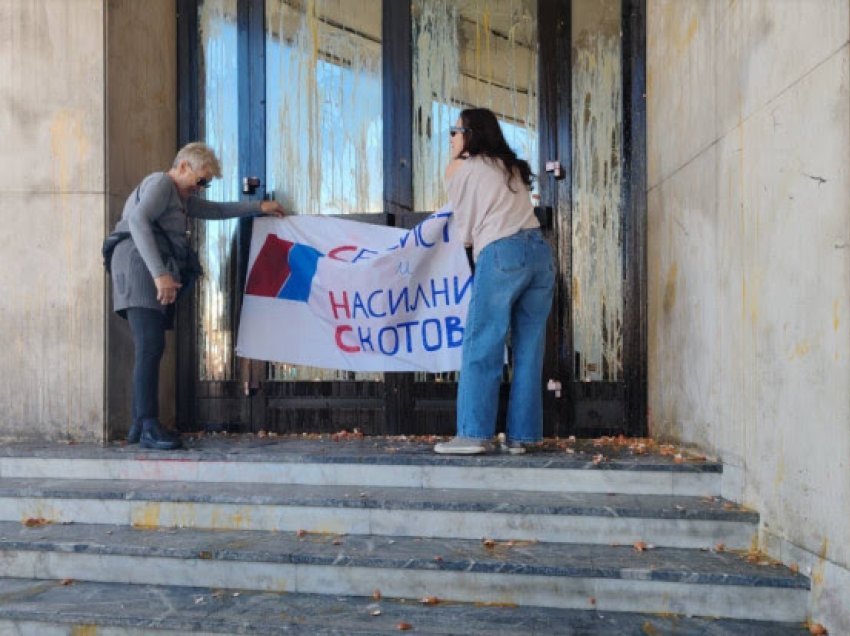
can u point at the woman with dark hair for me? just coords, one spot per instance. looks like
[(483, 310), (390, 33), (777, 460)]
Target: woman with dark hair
[(488, 187)]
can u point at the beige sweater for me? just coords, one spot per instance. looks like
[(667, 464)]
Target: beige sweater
[(485, 209)]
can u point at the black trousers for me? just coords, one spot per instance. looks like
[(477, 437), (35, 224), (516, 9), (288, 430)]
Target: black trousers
[(148, 328)]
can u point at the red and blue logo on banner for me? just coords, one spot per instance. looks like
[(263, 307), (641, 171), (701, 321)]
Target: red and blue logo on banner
[(283, 269)]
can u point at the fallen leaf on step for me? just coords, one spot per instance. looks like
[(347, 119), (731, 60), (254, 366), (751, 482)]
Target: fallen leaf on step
[(35, 522), (403, 627), (429, 600), (67, 581), (817, 629), (649, 629)]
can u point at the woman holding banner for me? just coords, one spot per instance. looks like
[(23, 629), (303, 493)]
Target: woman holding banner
[(488, 187), (152, 262)]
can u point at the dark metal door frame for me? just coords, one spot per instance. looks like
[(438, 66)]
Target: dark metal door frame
[(569, 413), (554, 95)]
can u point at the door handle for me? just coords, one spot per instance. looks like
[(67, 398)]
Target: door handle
[(250, 185)]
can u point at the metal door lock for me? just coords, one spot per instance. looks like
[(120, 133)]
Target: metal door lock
[(554, 385), (555, 169), (250, 185)]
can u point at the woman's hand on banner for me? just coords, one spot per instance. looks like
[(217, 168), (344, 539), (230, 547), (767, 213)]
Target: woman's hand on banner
[(272, 208)]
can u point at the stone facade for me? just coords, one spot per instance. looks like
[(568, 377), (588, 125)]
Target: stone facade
[(749, 263)]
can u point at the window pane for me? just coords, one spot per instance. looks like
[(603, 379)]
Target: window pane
[(470, 53), (323, 101), (596, 189), (215, 240)]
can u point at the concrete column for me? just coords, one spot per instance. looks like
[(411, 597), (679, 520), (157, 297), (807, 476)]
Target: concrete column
[(53, 210)]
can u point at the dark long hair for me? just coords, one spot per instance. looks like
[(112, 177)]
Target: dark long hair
[(483, 137)]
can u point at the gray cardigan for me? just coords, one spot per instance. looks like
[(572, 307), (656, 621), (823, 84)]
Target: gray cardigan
[(143, 257)]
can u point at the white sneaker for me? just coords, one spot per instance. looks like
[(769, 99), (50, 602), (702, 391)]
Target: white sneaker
[(462, 446), (512, 447)]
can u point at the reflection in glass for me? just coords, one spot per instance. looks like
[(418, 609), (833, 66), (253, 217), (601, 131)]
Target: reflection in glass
[(217, 289), (324, 131), (597, 119), (470, 53), (323, 104)]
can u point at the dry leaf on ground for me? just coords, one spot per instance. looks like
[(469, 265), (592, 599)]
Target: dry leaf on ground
[(35, 522)]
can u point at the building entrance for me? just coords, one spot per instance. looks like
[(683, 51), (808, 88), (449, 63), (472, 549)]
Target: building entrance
[(343, 108)]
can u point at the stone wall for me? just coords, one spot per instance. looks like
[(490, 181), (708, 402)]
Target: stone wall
[(142, 127), (87, 108), (749, 263), (52, 205)]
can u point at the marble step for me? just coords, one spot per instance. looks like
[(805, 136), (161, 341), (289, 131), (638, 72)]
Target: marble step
[(368, 462), (661, 520), (32, 607), (566, 576)]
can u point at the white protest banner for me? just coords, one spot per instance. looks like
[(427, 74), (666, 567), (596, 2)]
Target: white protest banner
[(340, 294)]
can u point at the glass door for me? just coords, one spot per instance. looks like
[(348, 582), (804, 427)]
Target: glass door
[(342, 107)]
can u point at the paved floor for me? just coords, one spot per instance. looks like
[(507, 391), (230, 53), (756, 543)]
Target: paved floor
[(603, 453)]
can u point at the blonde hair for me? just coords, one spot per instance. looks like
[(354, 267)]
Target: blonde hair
[(199, 156)]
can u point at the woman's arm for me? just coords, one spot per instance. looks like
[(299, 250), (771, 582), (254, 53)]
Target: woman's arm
[(152, 201), (203, 209), (460, 193)]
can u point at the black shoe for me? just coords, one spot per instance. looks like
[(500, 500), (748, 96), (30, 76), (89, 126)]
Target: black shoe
[(135, 433), (153, 436)]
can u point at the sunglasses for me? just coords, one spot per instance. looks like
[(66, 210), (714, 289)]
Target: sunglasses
[(203, 183), (457, 129)]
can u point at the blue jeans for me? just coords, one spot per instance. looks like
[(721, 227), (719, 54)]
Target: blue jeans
[(512, 290), (148, 329)]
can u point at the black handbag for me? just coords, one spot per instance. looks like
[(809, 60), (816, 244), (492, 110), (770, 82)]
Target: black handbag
[(108, 247), (190, 271)]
